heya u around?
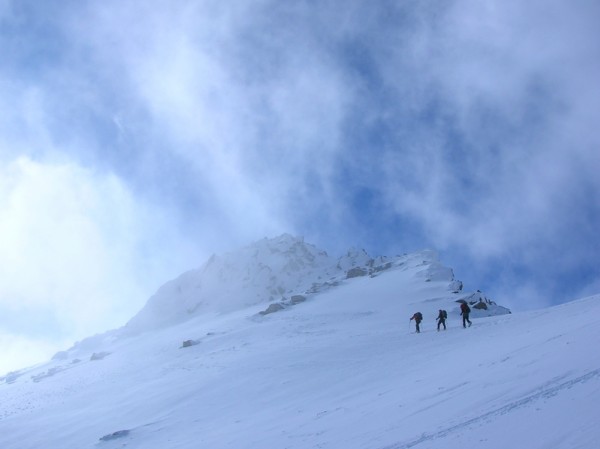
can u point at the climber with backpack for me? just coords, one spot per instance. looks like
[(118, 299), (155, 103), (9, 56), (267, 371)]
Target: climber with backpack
[(441, 319), (418, 317), (464, 311)]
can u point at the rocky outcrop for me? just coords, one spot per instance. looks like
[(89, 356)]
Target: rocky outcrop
[(99, 355), (276, 307), (356, 272), (188, 343), (115, 435), (297, 299)]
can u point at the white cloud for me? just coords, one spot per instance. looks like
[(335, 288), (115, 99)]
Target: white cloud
[(61, 230), (19, 351), (75, 244)]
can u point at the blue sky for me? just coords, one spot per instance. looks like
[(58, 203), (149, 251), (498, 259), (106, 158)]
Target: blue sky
[(138, 138)]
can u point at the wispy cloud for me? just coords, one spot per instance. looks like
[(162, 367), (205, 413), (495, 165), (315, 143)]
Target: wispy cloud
[(79, 253), (69, 240)]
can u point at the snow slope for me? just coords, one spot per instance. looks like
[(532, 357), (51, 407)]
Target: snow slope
[(342, 369)]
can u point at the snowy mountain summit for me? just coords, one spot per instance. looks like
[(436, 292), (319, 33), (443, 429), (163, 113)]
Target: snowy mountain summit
[(281, 272)]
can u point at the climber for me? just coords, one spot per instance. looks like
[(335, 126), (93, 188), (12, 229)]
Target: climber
[(418, 317), (441, 319), (464, 311)]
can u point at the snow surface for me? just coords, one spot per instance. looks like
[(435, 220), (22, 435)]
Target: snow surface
[(342, 369)]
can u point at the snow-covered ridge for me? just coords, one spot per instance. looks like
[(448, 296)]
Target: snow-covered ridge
[(342, 369), (273, 271)]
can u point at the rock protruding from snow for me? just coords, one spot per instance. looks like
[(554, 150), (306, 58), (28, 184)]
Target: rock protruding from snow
[(276, 307), (188, 343), (115, 435), (356, 272), (99, 355), (297, 299), (481, 305)]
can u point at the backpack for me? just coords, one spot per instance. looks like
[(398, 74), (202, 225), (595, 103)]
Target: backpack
[(418, 316), (444, 314), (465, 308)]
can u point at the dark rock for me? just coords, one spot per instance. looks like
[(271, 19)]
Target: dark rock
[(99, 355), (188, 343), (456, 286), (115, 435), (379, 268), (356, 272), (276, 307), (297, 299)]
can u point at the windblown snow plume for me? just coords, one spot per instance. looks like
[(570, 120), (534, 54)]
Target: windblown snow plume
[(273, 271)]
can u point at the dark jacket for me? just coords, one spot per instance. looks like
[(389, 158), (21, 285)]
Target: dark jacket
[(418, 317)]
